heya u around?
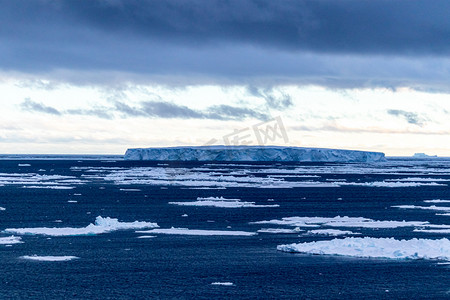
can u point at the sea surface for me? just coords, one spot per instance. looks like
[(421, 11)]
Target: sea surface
[(233, 253)]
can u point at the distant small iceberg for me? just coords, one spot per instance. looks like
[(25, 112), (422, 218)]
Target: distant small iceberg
[(423, 155)]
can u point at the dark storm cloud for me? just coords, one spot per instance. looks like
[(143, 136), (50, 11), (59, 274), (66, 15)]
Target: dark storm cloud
[(231, 39), (410, 117)]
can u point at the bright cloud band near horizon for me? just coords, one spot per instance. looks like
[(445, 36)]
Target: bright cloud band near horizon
[(104, 76)]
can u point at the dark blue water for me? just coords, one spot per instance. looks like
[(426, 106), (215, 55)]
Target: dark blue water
[(118, 265)]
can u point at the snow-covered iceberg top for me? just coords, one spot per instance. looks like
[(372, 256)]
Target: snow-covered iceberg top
[(376, 247), (102, 225), (252, 153)]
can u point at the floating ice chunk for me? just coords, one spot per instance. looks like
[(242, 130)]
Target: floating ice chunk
[(432, 207), (24, 165), (102, 225), (331, 232), (392, 184), (49, 258), (439, 231), (130, 190), (223, 283), (376, 247), (146, 236), (9, 240), (72, 201), (52, 187), (339, 221), (279, 230), (437, 201), (2, 208), (184, 215), (418, 179), (186, 231), (222, 203)]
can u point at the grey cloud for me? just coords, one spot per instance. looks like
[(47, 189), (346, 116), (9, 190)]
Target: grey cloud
[(410, 117), (32, 106), (103, 113), (277, 102), (152, 109), (227, 112), (169, 110), (343, 44)]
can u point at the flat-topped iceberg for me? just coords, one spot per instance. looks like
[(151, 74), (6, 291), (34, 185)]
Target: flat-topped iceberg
[(252, 153)]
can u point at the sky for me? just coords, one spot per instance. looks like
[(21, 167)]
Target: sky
[(98, 77)]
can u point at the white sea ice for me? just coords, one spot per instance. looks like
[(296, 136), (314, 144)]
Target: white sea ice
[(437, 201), (223, 283), (432, 207), (49, 258), (392, 184), (331, 232), (51, 187), (418, 179), (439, 231), (186, 231), (376, 247), (222, 203), (339, 221), (9, 240), (279, 230), (146, 236), (102, 225), (2, 208)]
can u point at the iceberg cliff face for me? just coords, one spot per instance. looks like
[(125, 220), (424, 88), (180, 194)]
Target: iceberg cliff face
[(252, 153)]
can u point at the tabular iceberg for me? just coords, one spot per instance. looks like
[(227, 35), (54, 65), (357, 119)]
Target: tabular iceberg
[(252, 153)]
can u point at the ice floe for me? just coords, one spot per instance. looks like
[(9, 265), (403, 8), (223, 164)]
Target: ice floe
[(432, 207), (9, 240), (331, 232), (339, 221), (186, 231), (419, 179), (437, 201), (226, 283), (279, 230), (49, 258), (51, 187), (2, 208), (146, 236), (222, 203), (101, 225), (392, 184), (376, 248), (439, 231)]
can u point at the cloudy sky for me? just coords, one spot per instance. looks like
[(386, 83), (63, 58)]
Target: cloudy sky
[(103, 76)]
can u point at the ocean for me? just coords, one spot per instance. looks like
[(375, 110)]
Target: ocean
[(97, 227)]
